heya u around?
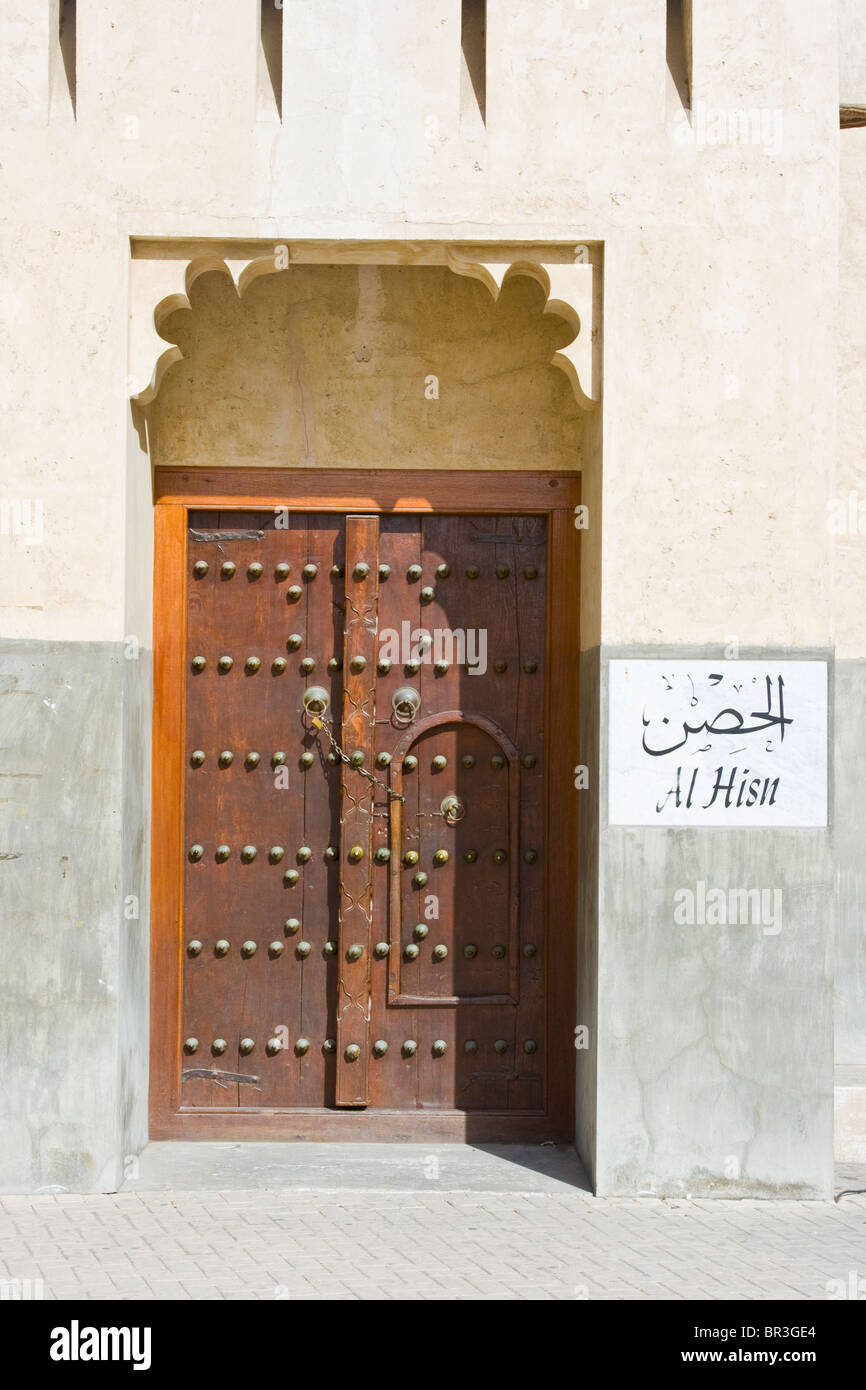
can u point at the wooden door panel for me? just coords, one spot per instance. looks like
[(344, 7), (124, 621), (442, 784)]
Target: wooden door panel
[(367, 982), (356, 811), (262, 918), (315, 790), (457, 926), (394, 1076), (465, 900)]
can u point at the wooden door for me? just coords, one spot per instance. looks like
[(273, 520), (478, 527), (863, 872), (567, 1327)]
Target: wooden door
[(363, 830), (264, 622)]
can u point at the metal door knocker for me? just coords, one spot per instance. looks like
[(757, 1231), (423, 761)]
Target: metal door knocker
[(406, 703), (452, 808), (316, 699)]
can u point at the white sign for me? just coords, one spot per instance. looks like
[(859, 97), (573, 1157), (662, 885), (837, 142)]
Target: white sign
[(718, 743)]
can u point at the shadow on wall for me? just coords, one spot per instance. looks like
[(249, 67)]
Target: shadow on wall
[(366, 367)]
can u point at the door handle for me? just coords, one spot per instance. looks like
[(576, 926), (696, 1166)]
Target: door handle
[(452, 808), (405, 703), (316, 699)]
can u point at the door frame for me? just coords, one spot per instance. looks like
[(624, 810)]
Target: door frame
[(178, 490)]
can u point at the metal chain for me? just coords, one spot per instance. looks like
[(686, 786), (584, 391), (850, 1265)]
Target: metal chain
[(320, 723)]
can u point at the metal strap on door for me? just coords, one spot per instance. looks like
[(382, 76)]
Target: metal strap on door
[(356, 815)]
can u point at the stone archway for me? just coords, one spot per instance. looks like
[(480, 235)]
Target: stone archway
[(364, 367), (165, 273)]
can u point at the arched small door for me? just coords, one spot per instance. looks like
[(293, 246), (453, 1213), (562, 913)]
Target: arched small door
[(374, 923)]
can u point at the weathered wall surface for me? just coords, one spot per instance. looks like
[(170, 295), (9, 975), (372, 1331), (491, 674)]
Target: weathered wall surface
[(62, 924), (852, 53), (717, 438), (327, 366), (712, 363), (850, 886), (715, 1043), (846, 520)]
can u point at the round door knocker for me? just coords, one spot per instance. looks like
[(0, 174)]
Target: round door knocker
[(405, 703), (452, 808), (315, 699)]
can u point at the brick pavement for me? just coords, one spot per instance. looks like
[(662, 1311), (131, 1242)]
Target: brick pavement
[(427, 1245)]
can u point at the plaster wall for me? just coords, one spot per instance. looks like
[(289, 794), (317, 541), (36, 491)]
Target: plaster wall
[(846, 519), (711, 362), (730, 1091), (717, 434), (852, 54), (61, 929), (845, 509)]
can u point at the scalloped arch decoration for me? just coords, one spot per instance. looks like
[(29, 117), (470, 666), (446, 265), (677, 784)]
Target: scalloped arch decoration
[(572, 287)]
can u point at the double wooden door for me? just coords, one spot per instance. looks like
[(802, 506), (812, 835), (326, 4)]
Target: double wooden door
[(373, 915)]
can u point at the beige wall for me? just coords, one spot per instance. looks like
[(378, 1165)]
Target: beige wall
[(707, 470), (849, 490), (852, 53), (719, 317)]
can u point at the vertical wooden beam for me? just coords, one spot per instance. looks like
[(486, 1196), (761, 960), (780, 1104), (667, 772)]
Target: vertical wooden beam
[(167, 858), (356, 810), (562, 754)]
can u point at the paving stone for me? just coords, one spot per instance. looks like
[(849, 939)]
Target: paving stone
[(434, 1245)]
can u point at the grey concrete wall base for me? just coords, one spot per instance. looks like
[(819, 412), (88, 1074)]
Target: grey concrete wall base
[(71, 1103), (709, 1068), (587, 940), (715, 1043), (849, 816)]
